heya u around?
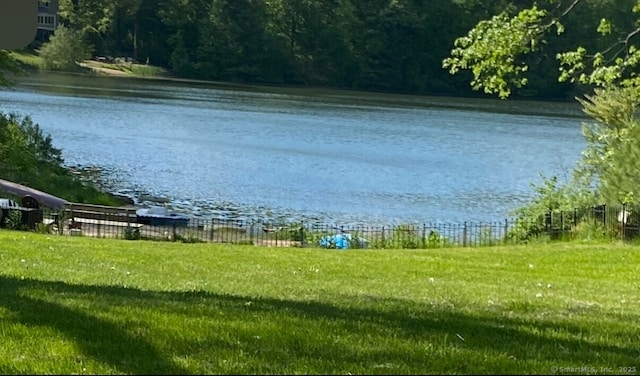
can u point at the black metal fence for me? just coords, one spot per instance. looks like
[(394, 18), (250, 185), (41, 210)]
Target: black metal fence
[(599, 221), (614, 222)]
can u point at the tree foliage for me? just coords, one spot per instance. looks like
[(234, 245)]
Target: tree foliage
[(491, 51), (495, 51), (7, 65), (383, 45), (23, 146), (612, 155), (65, 48)]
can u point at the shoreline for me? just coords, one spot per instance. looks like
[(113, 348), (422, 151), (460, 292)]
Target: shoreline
[(104, 69), (483, 104)]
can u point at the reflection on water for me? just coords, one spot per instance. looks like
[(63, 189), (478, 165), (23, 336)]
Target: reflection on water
[(288, 154)]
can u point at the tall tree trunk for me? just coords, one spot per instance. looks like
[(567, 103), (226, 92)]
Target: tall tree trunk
[(292, 37), (135, 41)]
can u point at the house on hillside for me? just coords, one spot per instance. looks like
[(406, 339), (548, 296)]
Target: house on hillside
[(47, 19)]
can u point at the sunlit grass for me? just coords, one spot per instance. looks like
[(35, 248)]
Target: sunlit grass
[(83, 305), (140, 70), (147, 70), (27, 58)]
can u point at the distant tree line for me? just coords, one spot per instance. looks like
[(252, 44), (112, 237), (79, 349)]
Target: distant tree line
[(383, 45)]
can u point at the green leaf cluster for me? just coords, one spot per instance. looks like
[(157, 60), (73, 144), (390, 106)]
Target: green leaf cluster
[(491, 51), (7, 65), (23, 146)]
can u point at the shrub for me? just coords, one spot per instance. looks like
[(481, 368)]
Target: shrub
[(590, 230), (436, 240), (486, 237), (14, 220), (132, 233), (64, 49), (41, 228), (407, 236)]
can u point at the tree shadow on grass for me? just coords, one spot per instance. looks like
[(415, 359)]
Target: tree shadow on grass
[(97, 338), (415, 324)]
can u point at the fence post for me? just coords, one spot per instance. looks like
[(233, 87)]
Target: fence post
[(301, 234), (506, 230), (464, 234), (211, 229), (424, 235), (623, 223)]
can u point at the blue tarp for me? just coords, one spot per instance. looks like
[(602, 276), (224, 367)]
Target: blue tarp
[(338, 241)]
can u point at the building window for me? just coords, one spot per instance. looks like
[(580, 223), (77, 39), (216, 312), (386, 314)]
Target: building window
[(46, 20)]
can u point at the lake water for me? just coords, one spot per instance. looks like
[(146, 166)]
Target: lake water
[(275, 154)]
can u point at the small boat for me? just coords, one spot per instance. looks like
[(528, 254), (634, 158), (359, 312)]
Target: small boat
[(160, 216), (38, 197)]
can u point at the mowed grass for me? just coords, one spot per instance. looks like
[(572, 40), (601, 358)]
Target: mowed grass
[(97, 306)]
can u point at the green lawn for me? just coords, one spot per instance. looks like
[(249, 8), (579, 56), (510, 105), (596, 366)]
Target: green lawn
[(27, 58), (86, 306)]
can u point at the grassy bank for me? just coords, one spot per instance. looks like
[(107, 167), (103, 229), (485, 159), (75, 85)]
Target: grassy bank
[(30, 60), (82, 305), (124, 69)]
